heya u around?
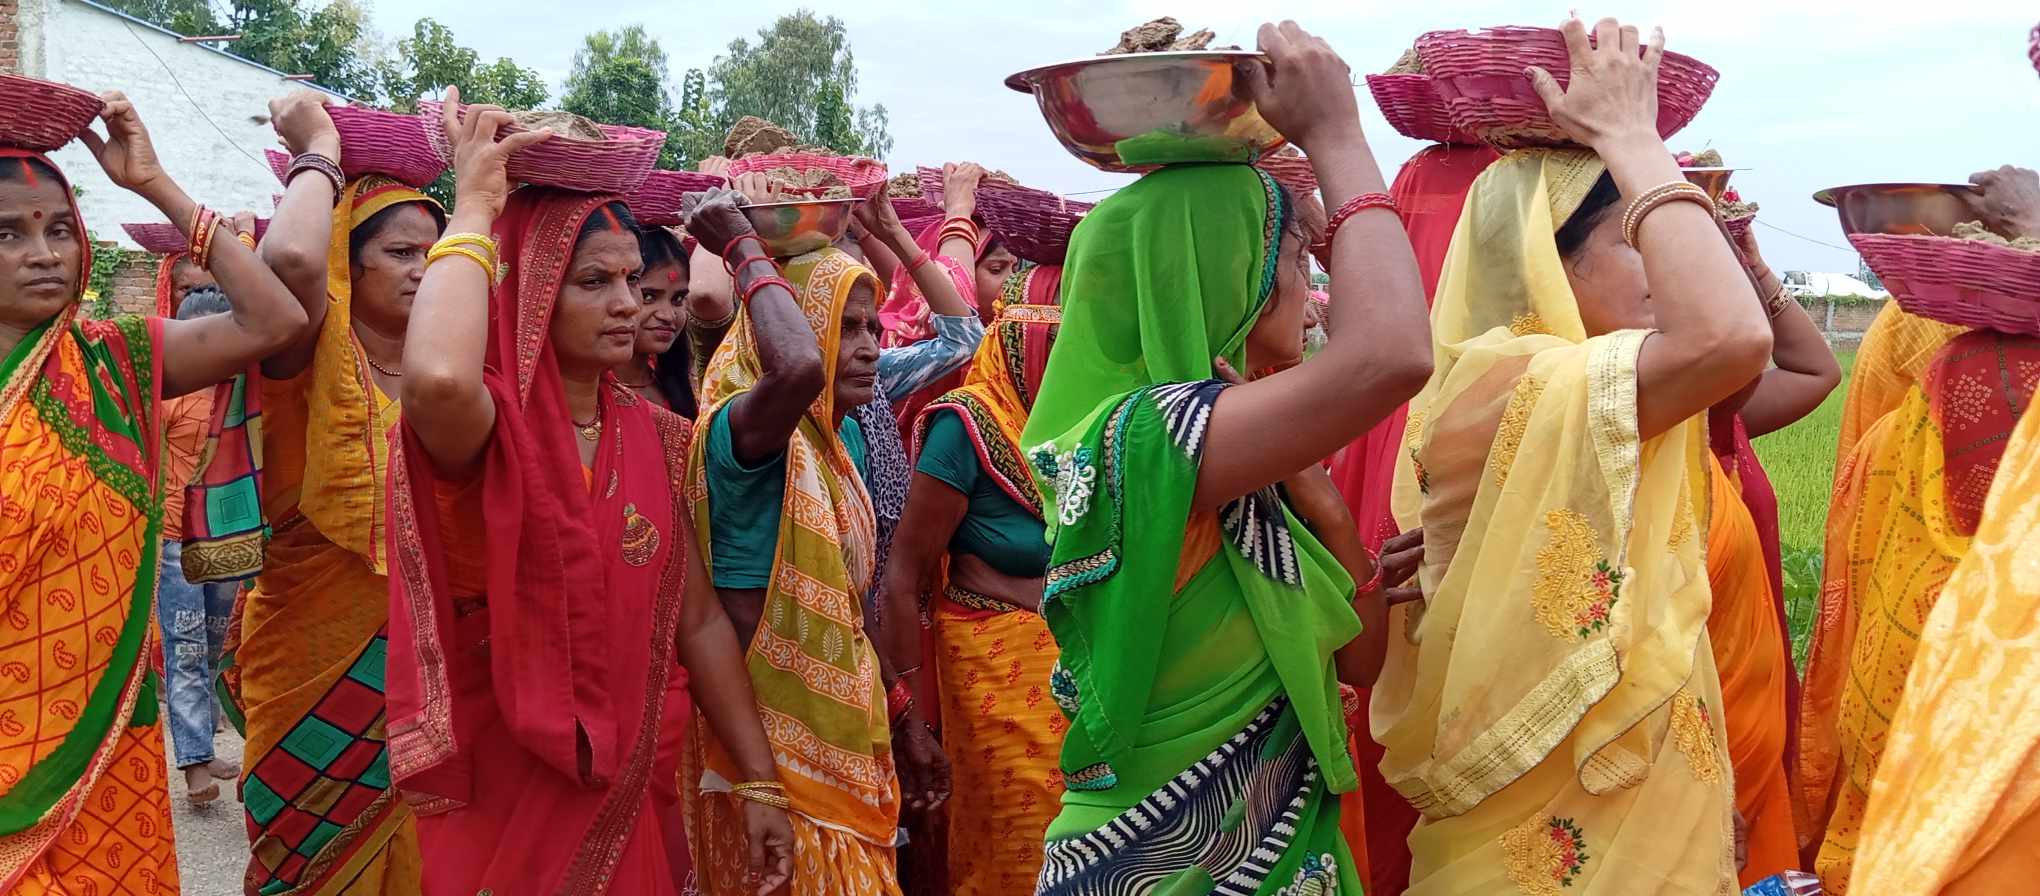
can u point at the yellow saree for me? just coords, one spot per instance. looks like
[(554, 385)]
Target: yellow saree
[(1598, 765), (1893, 355), (313, 630), (1923, 475), (1952, 806), (813, 668)]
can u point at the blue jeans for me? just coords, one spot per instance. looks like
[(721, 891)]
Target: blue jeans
[(194, 622)]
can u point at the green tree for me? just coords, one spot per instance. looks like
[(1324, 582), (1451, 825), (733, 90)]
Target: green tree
[(620, 78), (430, 60), (330, 42), (799, 74)]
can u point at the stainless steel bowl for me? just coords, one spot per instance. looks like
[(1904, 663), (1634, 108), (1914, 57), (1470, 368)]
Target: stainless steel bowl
[(1713, 180), (1140, 111), (801, 226), (1901, 208)]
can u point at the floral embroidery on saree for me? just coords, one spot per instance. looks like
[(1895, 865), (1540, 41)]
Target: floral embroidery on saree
[(1544, 855), (1319, 876), (1576, 588), (1693, 731), (1515, 423)]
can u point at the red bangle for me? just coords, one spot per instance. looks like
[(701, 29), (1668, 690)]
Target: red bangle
[(761, 283), (730, 251), (918, 261), (1352, 207), (1373, 584), (899, 698)]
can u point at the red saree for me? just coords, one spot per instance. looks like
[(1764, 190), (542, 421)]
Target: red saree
[(527, 704), (1429, 192)]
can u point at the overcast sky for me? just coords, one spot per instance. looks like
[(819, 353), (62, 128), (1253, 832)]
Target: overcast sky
[(1813, 92)]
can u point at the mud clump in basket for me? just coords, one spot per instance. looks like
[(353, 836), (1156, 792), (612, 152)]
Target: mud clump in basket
[(1974, 230), (809, 182), (564, 124), (1163, 35), (904, 186), (752, 135), (1409, 64), (1736, 209), (1706, 158)]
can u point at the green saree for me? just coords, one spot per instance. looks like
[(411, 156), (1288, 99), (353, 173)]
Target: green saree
[(1206, 743)]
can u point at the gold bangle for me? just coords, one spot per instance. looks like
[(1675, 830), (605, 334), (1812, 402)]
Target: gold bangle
[(744, 786), (1632, 219), (764, 798), (1777, 303), (478, 240), (480, 260), (245, 239)]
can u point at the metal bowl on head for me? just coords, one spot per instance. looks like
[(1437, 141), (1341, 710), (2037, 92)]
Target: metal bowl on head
[(1713, 180), (1140, 111), (800, 226), (1931, 209)]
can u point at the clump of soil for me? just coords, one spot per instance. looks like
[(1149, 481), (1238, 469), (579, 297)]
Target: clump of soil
[(1706, 158), (904, 186), (752, 135), (1409, 64), (811, 182), (1974, 230), (1163, 35), (1736, 209), (564, 124)]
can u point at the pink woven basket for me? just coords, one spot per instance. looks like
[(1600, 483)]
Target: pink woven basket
[(907, 207), (656, 202), (373, 141), (931, 184), (279, 164), (42, 116), (1480, 77), (1413, 107), (1956, 281), (1294, 173), (865, 177), (1035, 224), (1738, 226), (163, 239), (2033, 47), (617, 164)]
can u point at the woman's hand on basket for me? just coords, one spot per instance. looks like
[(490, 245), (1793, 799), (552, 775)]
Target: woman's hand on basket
[(716, 218), (1612, 94), (1304, 89), (959, 188), (303, 124), (125, 153), (2010, 204), (480, 161)]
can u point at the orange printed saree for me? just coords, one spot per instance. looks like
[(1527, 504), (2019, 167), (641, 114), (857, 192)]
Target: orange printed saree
[(1952, 808), (84, 803), (1743, 627), (319, 809), (1924, 476)]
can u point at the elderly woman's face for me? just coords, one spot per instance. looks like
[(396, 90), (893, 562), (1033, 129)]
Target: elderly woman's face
[(1278, 336), (1608, 281), (42, 249)]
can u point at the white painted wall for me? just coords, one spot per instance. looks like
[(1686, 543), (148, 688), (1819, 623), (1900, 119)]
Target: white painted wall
[(177, 90)]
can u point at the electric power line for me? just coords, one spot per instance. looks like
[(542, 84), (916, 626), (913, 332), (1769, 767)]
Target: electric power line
[(188, 98), (1806, 238)]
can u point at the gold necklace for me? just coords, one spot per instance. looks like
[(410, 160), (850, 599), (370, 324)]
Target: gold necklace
[(591, 430), (365, 356)]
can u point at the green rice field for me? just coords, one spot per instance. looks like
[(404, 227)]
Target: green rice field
[(1801, 460)]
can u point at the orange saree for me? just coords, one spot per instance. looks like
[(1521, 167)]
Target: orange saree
[(1743, 627), (84, 799)]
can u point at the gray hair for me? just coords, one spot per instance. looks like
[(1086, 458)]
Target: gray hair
[(204, 301)]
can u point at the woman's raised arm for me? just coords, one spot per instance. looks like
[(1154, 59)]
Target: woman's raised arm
[(299, 234)]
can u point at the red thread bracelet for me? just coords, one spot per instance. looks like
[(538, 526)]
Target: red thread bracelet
[(918, 261), (761, 283), (1352, 207)]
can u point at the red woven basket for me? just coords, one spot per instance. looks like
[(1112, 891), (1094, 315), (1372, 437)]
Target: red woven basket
[(1480, 77), (1035, 224), (617, 164), (1956, 281), (865, 177), (656, 202), (42, 116), (1413, 107), (163, 239), (373, 141), (279, 164)]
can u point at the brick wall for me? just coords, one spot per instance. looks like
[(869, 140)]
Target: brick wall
[(1842, 321), (10, 37)]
